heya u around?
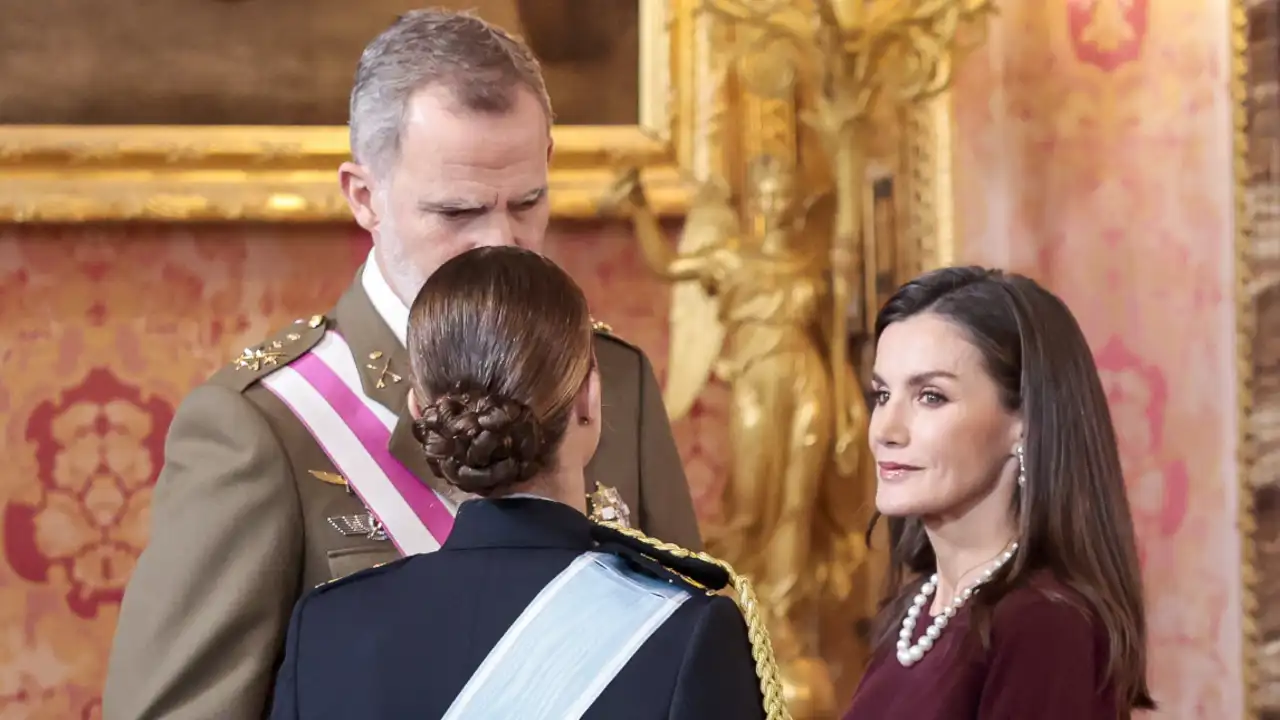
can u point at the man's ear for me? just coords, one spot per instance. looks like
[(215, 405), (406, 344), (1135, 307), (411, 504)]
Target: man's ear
[(551, 146), (357, 185)]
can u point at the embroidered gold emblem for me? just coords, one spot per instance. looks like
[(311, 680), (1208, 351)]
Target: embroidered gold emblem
[(599, 326), (255, 359), (607, 506), (384, 372), (331, 478)]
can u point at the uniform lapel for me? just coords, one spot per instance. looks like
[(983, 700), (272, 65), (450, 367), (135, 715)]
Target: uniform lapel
[(384, 377), (382, 361)]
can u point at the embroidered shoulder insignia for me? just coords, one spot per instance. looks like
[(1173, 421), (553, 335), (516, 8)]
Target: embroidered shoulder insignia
[(718, 574), (258, 361)]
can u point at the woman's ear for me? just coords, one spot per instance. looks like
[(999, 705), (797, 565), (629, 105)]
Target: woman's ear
[(415, 410), (1017, 435), (586, 406)]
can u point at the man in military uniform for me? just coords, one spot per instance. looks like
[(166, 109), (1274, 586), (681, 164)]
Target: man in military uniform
[(296, 464)]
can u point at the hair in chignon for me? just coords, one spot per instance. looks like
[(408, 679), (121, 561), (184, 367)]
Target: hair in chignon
[(500, 344), (481, 442)]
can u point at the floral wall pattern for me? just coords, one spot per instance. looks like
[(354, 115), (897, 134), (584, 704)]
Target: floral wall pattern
[(103, 330), (1095, 155)]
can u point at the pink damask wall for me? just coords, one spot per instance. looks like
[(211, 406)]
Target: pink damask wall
[(1095, 156), (103, 330)]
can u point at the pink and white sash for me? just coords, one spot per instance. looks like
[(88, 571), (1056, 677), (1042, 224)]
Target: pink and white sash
[(323, 390)]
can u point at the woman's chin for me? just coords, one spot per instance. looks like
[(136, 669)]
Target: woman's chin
[(899, 502)]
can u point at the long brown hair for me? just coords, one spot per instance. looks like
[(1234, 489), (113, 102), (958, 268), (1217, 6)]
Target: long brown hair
[(500, 343), (1073, 514)]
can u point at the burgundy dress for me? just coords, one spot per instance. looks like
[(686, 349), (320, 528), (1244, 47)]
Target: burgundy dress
[(1045, 662)]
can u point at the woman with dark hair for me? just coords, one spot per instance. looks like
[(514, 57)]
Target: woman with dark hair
[(1013, 585), (529, 609)]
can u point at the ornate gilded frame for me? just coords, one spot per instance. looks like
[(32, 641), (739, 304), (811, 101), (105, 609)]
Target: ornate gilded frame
[(1245, 327), (289, 173), (929, 167)]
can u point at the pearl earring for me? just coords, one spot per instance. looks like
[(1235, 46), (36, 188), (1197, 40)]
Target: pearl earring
[(1022, 467)]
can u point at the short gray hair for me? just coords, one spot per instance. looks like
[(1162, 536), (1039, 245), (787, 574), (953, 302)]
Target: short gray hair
[(479, 63)]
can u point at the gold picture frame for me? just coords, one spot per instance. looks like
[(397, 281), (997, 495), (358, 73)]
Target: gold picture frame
[(60, 173), (1253, 701)]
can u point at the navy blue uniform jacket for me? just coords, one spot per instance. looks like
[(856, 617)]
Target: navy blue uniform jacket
[(402, 640)]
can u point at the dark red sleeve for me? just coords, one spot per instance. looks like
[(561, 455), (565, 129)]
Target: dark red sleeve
[(1046, 662)]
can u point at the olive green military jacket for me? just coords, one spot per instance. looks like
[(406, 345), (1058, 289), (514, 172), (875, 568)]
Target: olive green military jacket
[(246, 512)]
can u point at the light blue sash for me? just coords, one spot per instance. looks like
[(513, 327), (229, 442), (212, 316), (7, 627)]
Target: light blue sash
[(570, 642)]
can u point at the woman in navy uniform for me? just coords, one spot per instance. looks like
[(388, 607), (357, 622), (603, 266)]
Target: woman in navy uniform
[(529, 609)]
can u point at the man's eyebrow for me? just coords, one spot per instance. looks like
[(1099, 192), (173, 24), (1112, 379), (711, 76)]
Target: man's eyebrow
[(451, 205), (531, 197)]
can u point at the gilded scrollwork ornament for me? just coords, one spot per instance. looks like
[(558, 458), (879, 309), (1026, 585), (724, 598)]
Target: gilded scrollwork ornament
[(769, 270)]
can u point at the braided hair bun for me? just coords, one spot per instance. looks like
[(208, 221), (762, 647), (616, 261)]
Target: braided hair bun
[(480, 442)]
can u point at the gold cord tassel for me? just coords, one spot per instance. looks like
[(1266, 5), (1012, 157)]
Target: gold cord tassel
[(775, 706)]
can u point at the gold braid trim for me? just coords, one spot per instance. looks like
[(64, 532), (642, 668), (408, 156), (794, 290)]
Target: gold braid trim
[(775, 705)]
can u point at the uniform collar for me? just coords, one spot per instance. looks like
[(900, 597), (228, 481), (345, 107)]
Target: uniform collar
[(388, 305), (522, 522), (384, 369)]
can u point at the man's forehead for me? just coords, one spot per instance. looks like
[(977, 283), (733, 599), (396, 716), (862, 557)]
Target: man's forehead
[(489, 153), (435, 109)]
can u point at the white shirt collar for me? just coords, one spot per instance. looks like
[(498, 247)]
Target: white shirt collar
[(389, 306), (528, 496)]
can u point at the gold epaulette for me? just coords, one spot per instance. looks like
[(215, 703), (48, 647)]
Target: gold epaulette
[(775, 706), (601, 327), (258, 361)]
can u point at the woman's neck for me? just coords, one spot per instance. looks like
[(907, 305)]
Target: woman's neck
[(964, 547), (563, 485)]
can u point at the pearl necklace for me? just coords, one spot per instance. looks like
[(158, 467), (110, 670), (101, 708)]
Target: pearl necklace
[(909, 654)]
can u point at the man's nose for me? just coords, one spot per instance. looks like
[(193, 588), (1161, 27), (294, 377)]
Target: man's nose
[(499, 231)]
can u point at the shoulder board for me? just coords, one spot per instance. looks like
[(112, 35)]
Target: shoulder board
[(711, 575), (700, 570), (365, 574), (258, 361), (604, 331)]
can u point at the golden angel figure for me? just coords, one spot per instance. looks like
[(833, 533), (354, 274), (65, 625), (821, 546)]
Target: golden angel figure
[(752, 308)]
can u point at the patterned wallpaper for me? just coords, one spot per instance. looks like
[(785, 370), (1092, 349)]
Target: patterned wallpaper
[(1094, 154), (104, 330)]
